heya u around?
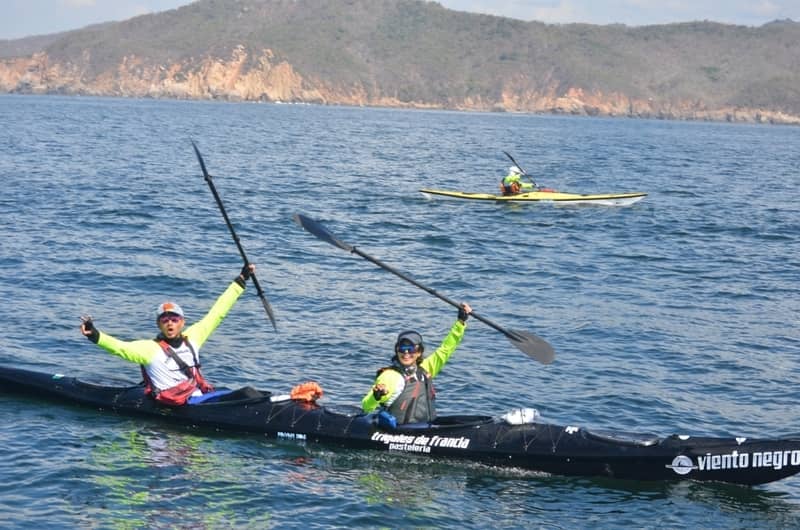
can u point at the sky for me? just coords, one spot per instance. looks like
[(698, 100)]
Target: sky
[(21, 18)]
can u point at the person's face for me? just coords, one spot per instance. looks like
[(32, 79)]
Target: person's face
[(408, 353), (170, 325)]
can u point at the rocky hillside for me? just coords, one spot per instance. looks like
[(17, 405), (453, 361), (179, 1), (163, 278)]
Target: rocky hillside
[(415, 53)]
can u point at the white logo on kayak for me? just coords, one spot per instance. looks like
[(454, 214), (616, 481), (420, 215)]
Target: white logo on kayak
[(291, 435), (774, 459), (419, 444), (777, 460), (682, 465)]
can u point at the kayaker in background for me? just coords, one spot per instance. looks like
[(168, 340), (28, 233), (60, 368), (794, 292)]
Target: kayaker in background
[(405, 389), (512, 183), (170, 363)]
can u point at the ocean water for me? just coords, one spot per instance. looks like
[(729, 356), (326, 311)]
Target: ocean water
[(678, 314)]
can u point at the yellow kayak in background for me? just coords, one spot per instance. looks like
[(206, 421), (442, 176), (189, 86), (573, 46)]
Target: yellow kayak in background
[(544, 195)]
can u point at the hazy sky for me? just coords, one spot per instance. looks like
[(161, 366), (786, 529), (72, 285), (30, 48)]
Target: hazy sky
[(20, 18)]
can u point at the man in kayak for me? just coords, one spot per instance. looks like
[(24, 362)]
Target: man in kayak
[(405, 389), (512, 183), (170, 363)]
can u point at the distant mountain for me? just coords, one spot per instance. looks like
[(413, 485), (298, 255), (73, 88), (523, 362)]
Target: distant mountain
[(413, 53)]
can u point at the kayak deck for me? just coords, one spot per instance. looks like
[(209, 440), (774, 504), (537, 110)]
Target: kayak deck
[(500, 441), (604, 199)]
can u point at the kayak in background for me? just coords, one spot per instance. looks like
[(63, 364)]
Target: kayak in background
[(544, 195)]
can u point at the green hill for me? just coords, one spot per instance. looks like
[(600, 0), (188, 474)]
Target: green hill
[(416, 53)]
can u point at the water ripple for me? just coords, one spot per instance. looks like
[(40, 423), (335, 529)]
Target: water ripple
[(675, 315)]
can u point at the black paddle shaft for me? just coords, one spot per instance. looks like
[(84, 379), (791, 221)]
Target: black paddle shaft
[(217, 198), (520, 167), (533, 346)]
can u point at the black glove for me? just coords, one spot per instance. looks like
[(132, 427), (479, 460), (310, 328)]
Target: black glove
[(378, 393), (462, 315), (88, 325), (245, 274)]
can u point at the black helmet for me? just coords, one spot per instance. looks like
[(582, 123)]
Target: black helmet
[(410, 337)]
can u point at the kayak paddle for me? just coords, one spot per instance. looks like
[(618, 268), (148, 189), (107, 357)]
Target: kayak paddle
[(533, 346), (521, 169), (210, 182)]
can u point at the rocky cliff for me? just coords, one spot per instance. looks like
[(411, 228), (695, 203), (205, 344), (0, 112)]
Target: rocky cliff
[(367, 71)]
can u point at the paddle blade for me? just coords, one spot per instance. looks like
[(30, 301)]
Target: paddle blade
[(320, 231), (268, 309), (532, 346), (200, 159)]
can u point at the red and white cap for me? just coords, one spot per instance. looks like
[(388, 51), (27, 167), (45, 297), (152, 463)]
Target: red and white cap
[(169, 307)]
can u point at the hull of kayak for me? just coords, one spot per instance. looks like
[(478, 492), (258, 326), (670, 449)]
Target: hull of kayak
[(556, 449), (604, 199)]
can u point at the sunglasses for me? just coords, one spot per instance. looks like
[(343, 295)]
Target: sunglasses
[(407, 349), (169, 318)]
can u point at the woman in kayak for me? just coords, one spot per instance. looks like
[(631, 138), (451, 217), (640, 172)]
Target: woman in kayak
[(512, 183), (170, 363), (405, 389)]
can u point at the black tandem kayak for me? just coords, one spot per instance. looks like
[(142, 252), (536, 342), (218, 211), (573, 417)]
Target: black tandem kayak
[(555, 449)]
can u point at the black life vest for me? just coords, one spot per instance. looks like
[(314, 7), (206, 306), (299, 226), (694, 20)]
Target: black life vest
[(415, 404)]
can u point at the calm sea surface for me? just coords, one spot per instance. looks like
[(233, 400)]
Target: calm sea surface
[(678, 314)]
